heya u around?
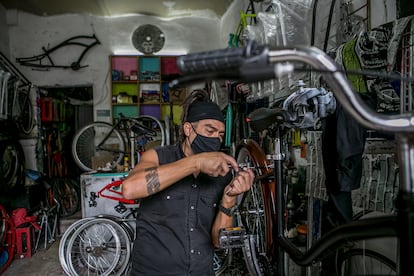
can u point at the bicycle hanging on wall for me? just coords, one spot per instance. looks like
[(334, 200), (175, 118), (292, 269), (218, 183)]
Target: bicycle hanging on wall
[(258, 63)]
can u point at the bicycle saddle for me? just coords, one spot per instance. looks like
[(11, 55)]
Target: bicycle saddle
[(263, 117)]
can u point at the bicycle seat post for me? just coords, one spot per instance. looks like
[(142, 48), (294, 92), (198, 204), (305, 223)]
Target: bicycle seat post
[(132, 145)]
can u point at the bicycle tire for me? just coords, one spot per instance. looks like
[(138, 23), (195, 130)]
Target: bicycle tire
[(253, 211), (26, 120), (3, 222), (86, 153), (98, 247), (8, 240), (64, 240), (65, 192), (360, 261), (11, 167)]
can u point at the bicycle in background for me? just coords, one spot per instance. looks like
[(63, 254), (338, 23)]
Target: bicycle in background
[(102, 146)]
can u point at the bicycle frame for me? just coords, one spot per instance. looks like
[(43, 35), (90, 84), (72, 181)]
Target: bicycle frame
[(252, 64), (120, 124), (36, 61)]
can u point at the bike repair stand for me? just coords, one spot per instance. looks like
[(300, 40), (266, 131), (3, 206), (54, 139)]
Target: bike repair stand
[(45, 229)]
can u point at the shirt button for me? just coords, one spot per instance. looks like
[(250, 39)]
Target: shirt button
[(192, 207), (168, 197), (194, 185), (191, 229), (192, 251)]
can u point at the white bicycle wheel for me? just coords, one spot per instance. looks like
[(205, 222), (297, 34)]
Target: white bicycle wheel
[(64, 240), (98, 145), (98, 247)]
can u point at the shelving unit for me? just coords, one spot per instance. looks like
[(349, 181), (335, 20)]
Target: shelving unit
[(140, 87)]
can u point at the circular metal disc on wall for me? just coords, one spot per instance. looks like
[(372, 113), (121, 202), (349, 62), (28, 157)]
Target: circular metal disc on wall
[(148, 39)]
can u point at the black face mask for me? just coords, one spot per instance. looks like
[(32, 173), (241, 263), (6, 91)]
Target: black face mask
[(205, 144)]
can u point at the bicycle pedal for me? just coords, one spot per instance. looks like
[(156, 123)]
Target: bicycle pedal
[(232, 237)]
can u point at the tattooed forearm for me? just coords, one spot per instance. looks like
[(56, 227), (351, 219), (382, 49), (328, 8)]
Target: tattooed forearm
[(153, 182)]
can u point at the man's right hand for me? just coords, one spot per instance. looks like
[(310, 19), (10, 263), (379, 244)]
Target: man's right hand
[(215, 163)]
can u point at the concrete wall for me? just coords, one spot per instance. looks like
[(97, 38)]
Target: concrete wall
[(4, 32), (27, 34)]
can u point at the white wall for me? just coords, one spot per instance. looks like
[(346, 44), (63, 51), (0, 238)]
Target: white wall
[(31, 33)]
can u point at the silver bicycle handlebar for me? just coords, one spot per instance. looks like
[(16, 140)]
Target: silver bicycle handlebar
[(257, 63)]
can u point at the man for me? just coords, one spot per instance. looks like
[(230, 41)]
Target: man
[(187, 192)]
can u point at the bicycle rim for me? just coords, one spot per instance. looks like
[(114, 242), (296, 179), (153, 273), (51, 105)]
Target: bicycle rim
[(89, 156), (221, 260), (11, 167), (359, 261), (66, 194), (98, 247), (64, 241), (252, 212)]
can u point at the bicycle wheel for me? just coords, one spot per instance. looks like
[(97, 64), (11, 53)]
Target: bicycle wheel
[(371, 256), (98, 247), (7, 241), (26, 116), (11, 167), (255, 211), (65, 192), (221, 260), (64, 241), (98, 145), (359, 261)]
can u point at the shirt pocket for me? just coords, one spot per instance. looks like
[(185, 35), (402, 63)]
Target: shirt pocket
[(166, 205), (207, 210)]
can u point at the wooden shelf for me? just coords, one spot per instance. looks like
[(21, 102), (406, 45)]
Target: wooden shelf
[(149, 92)]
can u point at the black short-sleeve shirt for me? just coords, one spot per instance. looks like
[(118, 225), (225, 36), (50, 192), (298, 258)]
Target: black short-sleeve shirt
[(174, 225)]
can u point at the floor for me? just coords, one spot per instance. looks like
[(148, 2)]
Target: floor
[(45, 261)]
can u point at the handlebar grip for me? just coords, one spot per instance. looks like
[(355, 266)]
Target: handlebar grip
[(223, 59)]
